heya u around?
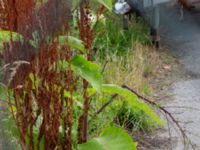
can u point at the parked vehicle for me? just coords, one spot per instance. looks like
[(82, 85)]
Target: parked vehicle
[(148, 9), (189, 4)]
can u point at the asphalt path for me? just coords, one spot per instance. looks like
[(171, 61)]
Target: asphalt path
[(181, 34)]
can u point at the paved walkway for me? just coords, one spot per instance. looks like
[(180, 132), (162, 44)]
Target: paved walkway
[(183, 38)]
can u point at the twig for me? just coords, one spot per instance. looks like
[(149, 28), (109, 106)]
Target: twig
[(169, 132), (163, 110), (162, 98), (183, 107), (105, 105), (104, 67)]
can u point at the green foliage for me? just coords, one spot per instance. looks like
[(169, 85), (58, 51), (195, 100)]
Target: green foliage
[(88, 70), (110, 139), (8, 130), (106, 117), (111, 39), (134, 119), (9, 133), (132, 101), (72, 42), (106, 3), (75, 3), (2, 93), (8, 36)]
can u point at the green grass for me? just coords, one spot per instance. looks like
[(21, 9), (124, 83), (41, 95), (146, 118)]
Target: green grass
[(8, 133), (118, 113), (135, 120), (126, 52), (112, 39)]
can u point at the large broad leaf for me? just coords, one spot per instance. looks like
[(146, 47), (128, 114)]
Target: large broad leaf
[(8, 36), (106, 3), (132, 101), (88, 70), (72, 42), (110, 139)]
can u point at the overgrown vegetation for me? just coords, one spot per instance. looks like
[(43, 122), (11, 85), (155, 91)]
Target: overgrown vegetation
[(55, 90), (112, 40)]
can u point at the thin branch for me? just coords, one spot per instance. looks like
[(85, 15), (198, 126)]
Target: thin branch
[(104, 106), (183, 107), (163, 110), (104, 67)]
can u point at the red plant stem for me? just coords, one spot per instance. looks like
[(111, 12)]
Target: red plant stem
[(39, 102), (85, 111), (86, 37), (69, 114), (14, 12), (83, 120), (70, 103)]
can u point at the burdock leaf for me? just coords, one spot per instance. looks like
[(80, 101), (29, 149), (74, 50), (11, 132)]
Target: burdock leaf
[(88, 70), (106, 3), (110, 139), (73, 42)]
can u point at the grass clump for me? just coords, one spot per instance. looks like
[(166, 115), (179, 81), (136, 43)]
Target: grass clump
[(135, 70), (134, 120), (127, 58), (111, 39)]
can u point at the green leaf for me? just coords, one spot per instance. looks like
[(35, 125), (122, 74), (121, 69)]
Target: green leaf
[(10, 131), (8, 36), (35, 80), (106, 3), (110, 139), (75, 4), (76, 97), (88, 71), (2, 93), (63, 65), (91, 91), (132, 101), (73, 42)]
